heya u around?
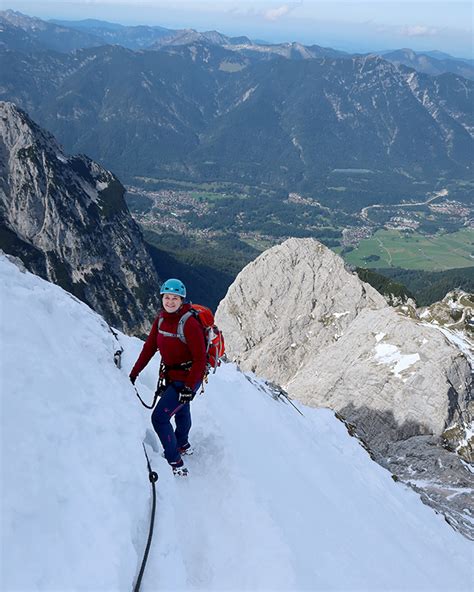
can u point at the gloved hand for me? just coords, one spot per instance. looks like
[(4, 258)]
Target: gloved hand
[(186, 394), (132, 378)]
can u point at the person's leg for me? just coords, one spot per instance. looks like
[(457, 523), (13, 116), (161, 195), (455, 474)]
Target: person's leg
[(183, 425), (183, 422), (167, 406)]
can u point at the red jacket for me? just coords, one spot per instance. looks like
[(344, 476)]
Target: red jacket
[(173, 351)]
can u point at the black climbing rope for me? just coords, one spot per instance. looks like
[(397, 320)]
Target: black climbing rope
[(118, 362), (157, 394), (279, 393), (291, 403), (153, 476), (275, 391), (160, 387)]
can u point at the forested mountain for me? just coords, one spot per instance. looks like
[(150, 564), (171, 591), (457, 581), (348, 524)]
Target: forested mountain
[(132, 37), (247, 47), (430, 286), (200, 112), (28, 33), (431, 64), (24, 33)]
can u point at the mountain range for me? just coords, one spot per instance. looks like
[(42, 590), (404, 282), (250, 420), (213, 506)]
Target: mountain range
[(63, 35), (199, 111), (433, 63), (34, 34)]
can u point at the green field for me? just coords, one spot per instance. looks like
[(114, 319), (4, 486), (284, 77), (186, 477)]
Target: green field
[(392, 248)]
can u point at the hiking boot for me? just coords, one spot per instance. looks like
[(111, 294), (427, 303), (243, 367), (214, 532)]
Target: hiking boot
[(187, 449), (179, 469)]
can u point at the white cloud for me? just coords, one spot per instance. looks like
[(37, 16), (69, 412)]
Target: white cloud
[(418, 31), (273, 14)]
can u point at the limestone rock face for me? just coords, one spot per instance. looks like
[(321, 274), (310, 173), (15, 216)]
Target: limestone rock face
[(66, 218), (392, 377), (296, 317), (289, 303)]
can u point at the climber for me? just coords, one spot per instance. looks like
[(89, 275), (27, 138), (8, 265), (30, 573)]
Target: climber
[(183, 368)]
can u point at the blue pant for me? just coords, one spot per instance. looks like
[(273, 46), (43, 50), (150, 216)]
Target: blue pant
[(169, 406)]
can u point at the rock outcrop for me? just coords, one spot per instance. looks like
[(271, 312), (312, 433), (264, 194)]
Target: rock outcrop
[(296, 317), (66, 218), (455, 312)]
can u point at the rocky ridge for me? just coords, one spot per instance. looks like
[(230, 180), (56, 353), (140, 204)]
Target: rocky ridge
[(66, 218), (454, 317), (455, 312), (296, 316)]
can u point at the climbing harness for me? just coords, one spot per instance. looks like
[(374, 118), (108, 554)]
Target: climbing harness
[(163, 381), (162, 375), (118, 362), (153, 477)]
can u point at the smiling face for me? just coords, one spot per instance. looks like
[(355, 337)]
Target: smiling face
[(172, 302)]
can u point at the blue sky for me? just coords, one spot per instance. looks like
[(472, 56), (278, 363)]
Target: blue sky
[(343, 24)]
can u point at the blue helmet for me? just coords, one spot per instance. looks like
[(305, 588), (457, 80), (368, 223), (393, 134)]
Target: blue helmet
[(173, 286)]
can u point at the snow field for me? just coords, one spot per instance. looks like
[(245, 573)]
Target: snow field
[(274, 501), (72, 493)]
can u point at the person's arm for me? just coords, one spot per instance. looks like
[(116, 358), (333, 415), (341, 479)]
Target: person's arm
[(194, 335), (148, 351)]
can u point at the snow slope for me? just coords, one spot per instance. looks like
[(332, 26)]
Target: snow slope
[(274, 500)]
